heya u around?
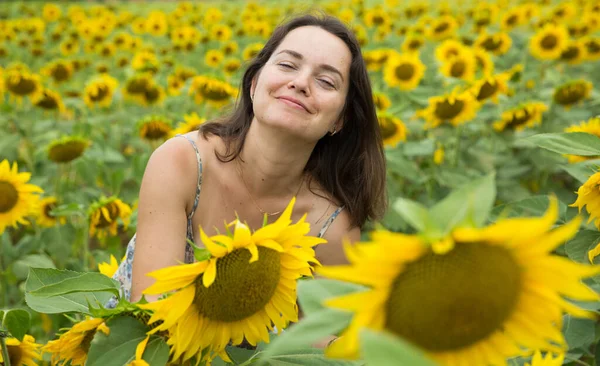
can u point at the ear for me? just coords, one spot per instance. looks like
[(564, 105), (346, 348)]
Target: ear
[(339, 124)]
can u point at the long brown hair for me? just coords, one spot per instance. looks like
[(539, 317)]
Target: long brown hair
[(350, 165)]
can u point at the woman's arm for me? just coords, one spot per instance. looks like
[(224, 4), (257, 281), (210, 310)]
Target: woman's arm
[(167, 188)]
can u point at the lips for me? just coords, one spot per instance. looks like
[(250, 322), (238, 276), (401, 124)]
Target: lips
[(294, 102)]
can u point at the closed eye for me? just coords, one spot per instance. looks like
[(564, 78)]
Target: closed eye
[(327, 82)]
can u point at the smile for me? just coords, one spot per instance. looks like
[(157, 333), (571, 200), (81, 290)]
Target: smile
[(293, 104)]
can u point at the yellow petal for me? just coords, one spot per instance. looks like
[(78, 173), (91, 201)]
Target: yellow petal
[(139, 350), (210, 274), (215, 249), (242, 236)]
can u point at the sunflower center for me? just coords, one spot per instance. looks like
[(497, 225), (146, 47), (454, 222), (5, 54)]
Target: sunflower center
[(137, 86), (440, 28), (446, 110), (215, 93), (60, 72), (571, 53), (240, 288), (24, 86), (449, 302), (15, 355), (549, 42), (155, 130), (87, 340), (101, 92), (151, 95), (48, 210), (487, 90), (405, 71), (48, 102), (458, 69), (414, 44), (570, 94), (66, 152), (113, 213), (388, 128), (9, 196), (491, 44)]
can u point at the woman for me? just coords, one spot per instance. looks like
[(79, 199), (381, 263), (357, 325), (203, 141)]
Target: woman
[(304, 126)]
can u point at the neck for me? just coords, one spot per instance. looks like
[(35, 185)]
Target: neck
[(273, 162)]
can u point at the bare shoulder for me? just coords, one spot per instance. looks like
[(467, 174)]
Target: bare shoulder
[(340, 230)]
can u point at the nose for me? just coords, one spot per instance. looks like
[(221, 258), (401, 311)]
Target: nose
[(300, 84)]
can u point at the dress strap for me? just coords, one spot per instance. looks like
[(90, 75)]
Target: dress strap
[(329, 221), (199, 181)]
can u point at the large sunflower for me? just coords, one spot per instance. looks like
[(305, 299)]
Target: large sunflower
[(404, 71), (22, 353), (247, 286), (592, 126), (455, 108), (74, 344), (490, 294), (549, 42), (17, 198)]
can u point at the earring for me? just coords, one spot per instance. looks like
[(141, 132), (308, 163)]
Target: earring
[(334, 132)]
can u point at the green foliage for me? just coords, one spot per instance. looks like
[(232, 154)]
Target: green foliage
[(575, 143), (17, 322), (57, 291), (384, 349)]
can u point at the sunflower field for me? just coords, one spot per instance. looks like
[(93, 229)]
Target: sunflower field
[(488, 254)]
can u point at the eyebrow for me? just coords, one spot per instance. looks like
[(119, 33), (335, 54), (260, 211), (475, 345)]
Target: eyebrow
[(322, 66)]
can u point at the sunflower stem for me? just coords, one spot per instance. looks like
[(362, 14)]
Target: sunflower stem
[(5, 356), (577, 361), (457, 145)]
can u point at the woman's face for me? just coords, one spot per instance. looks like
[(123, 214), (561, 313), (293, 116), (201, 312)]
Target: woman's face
[(303, 86)]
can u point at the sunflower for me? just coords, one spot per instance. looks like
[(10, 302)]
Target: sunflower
[(588, 195), (69, 47), (230, 48), (17, 198), (154, 127), (438, 155), (511, 19), (497, 43), (67, 149), (549, 42), (145, 61), (192, 122), (103, 216), (99, 92), (21, 83), (44, 216), (392, 129), (461, 67), (136, 86), (448, 49), (412, 43), (217, 93), (220, 32), (51, 12), (231, 66), (156, 24), (59, 70), (49, 100), (592, 126), (575, 53), (525, 115), (592, 46), (153, 95), (382, 101), (489, 88), (454, 108), (74, 344), (404, 71), (109, 269), (22, 353), (538, 360), (442, 28), (572, 93), (252, 51), (452, 314), (246, 287), (213, 58)]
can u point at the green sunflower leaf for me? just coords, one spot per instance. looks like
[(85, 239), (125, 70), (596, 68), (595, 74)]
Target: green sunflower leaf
[(17, 322), (582, 171), (312, 293), (54, 291), (383, 349), (470, 204), (414, 213), (118, 347), (574, 143), (312, 329)]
